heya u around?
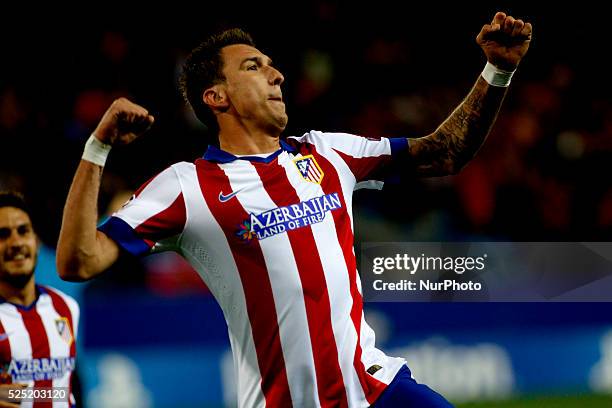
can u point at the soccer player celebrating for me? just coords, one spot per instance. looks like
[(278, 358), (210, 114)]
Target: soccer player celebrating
[(267, 222), (38, 324)]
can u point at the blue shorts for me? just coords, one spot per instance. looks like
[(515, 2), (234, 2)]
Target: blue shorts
[(406, 393)]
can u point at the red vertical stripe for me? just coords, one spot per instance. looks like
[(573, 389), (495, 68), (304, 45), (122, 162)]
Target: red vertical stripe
[(331, 184), (39, 343), (63, 310), (5, 353), (330, 382), (255, 283)]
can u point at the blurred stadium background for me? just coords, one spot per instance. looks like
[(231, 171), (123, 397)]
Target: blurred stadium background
[(151, 335)]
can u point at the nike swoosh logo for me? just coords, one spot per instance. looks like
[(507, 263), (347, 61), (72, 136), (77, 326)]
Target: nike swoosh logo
[(224, 198)]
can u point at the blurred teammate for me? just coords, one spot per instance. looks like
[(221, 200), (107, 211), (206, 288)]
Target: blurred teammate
[(38, 324), (267, 222)]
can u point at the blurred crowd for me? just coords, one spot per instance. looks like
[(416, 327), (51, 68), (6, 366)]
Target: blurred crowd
[(543, 174)]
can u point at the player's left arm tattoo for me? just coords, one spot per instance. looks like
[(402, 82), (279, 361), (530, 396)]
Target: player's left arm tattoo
[(455, 142)]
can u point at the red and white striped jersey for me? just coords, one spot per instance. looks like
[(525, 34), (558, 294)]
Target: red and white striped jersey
[(38, 343), (272, 237)]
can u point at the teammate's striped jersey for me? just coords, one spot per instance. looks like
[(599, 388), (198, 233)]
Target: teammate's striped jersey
[(37, 343), (272, 237)]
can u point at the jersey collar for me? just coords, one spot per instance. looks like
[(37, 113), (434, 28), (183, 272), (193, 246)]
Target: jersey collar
[(214, 154), (40, 290)]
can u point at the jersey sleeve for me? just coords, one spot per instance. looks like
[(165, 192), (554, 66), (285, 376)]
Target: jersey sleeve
[(371, 160), (152, 219)]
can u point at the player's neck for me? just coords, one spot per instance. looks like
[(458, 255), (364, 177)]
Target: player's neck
[(240, 138), (20, 296)]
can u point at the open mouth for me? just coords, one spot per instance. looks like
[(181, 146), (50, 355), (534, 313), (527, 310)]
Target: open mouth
[(276, 98), (18, 258)]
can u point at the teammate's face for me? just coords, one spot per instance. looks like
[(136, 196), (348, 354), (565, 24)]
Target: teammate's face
[(18, 246), (252, 86)]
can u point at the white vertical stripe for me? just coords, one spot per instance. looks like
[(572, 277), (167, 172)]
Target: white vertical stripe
[(58, 348), (338, 286), (286, 287), (18, 336), (205, 246)]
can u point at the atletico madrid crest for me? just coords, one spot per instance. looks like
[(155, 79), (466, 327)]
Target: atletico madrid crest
[(309, 169), (63, 329)]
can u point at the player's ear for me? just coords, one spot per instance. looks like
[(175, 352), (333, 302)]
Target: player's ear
[(216, 97)]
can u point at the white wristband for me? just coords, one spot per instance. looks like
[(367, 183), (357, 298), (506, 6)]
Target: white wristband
[(495, 76), (95, 151)]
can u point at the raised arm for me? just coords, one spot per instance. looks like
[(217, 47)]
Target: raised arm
[(455, 142), (82, 251)]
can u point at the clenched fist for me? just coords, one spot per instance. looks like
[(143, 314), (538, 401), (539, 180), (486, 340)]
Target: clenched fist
[(505, 41), (123, 122)]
